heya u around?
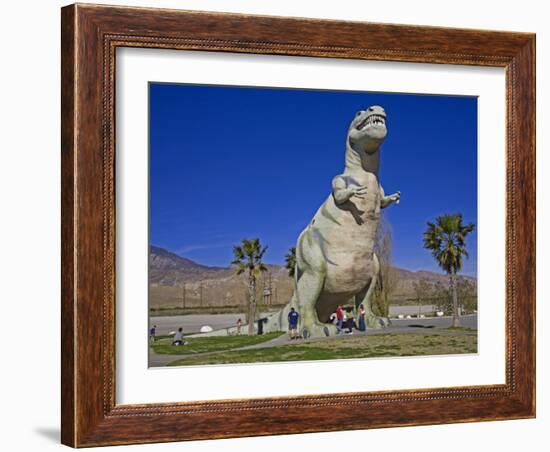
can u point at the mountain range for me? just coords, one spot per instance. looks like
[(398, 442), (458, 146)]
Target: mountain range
[(173, 278)]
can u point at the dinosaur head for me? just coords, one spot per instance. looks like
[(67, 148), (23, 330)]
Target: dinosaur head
[(368, 129)]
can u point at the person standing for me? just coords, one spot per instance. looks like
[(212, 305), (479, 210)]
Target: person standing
[(339, 318), (293, 323), (239, 324), (153, 333), (362, 323), (350, 324)]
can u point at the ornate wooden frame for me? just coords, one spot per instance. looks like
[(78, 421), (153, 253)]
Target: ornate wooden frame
[(90, 35)]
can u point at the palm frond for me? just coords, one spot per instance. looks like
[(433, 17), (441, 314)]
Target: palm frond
[(248, 257), (446, 239)]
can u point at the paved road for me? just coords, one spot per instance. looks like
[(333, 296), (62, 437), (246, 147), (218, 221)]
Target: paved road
[(193, 322), (411, 309), (469, 321)]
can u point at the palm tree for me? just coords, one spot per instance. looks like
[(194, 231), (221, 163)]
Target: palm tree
[(290, 262), (248, 258), (446, 239)]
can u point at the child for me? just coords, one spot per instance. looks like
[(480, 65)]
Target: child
[(239, 324)]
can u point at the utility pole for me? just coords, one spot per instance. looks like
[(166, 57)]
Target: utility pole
[(200, 292), (184, 294), (270, 290)]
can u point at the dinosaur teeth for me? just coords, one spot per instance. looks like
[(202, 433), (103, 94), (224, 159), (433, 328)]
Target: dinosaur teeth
[(372, 120)]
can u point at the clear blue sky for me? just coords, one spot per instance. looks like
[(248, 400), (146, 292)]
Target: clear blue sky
[(228, 163)]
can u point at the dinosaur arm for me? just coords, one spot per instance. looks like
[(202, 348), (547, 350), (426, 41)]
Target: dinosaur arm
[(385, 201), (342, 192)]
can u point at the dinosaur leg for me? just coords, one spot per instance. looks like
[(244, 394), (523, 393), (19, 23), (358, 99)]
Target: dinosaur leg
[(308, 290), (365, 298)]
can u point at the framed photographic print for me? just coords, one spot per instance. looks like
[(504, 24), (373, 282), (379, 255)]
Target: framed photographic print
[(281, 225)]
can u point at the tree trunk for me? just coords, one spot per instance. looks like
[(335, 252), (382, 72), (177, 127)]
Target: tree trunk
[(456, 318), (251, 304)]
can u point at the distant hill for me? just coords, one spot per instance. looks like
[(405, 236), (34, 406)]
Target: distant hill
[(163, 259), (169, 269), (406, 278), (219, 286)]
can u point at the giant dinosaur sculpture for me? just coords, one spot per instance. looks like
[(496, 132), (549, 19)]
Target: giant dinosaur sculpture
[(335, 252)]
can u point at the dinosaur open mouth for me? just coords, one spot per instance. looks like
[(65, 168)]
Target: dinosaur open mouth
[(372, 120)]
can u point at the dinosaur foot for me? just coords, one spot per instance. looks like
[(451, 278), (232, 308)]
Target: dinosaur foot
[(318, 330)]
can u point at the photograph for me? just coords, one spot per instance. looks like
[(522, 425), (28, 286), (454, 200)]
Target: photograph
[(240, 225), (293, 224)]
